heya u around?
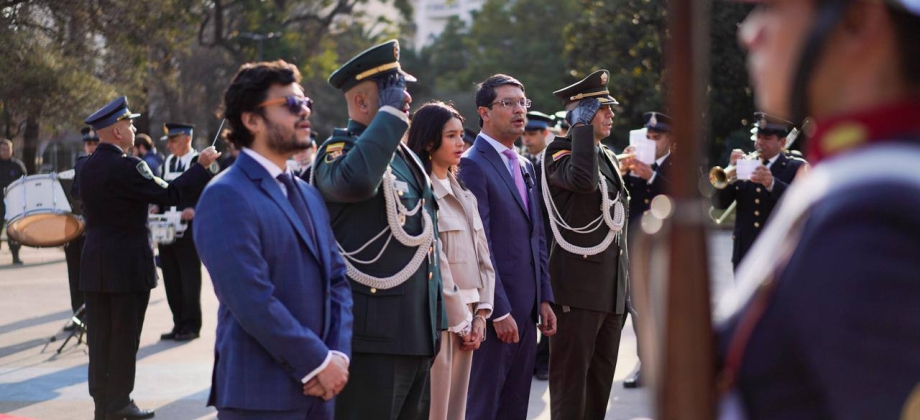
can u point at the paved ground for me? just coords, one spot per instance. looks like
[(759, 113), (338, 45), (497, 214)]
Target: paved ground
[(174, 378)]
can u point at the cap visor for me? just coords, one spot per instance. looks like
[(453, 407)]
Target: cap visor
[(409, 78), (607, 100)]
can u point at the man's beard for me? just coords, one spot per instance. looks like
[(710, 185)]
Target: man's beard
[(289, 145)]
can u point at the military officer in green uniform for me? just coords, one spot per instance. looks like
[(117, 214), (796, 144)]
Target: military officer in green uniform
[(586, 200), (383, 215)]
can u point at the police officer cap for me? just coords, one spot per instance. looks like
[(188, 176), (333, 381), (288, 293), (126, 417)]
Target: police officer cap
[(176, 129), (770, 125), (89, 134), (593, 86), (377, 61), (560, 120), (537, 120), (111, 113), (657, 121), (469, 136)]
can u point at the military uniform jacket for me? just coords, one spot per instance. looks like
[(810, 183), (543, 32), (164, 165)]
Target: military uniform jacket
[(349, 168), (755, 203), (641, 192), (116, 189), (594, 282)]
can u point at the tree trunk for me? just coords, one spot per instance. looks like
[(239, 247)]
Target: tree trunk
[(30, 144)]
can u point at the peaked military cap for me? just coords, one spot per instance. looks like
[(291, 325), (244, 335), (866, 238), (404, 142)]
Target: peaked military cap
[(469, 136), (657, 121), (593, 86), (111, 113), (89, 134), (768, 124), (175, 129), (560, 120), (537, 120), (376, 61)]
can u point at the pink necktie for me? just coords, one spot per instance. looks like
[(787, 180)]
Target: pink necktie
[(518, 178)]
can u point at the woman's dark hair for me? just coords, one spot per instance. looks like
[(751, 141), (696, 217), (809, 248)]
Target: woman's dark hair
[(427, 124), (249, 88)]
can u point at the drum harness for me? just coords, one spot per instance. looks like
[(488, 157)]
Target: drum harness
[(614, 224)]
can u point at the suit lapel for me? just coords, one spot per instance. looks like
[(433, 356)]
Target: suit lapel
[(607, 168), (491, 155), (261, 177)]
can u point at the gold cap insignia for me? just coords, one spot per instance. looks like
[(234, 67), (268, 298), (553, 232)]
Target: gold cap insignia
[(653, 120), (396, 51), (604, 78)]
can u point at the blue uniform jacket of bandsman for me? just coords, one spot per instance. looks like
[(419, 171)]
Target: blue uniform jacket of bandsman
[(116, 190), (755, 203)]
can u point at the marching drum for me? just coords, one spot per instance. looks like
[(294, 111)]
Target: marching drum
[(167, 227), (39, 213)]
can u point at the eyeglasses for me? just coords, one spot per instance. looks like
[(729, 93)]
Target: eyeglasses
[(510, 103), (294, 103)]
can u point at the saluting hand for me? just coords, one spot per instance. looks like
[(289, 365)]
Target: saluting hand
[(208, 156), (584, 112), (391, 90)]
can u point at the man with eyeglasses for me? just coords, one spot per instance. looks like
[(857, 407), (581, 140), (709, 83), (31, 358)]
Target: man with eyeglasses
[(383, 215), (503, 183), (117, 271), (284, 320)]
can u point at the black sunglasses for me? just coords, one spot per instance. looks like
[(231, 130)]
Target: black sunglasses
[(293, 103)]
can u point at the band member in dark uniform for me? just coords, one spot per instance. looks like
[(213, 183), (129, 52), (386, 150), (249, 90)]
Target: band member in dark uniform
[(73, 250), (179, 260), (117, 270), (588, 267), (644, 183), (757, 197), (11, 169)]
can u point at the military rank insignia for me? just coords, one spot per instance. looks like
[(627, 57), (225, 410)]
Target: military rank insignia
[(334, 151), (561, 154), (145, 172)]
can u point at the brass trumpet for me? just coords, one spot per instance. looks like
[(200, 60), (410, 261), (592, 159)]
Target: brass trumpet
[(721, 178)]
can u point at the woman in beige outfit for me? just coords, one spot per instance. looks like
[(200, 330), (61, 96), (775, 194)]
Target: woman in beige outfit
[(436, 136)]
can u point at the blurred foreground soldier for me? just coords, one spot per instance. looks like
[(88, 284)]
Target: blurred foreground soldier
[(179, 260), (503, 183), (383, 216), (11, 169), (117, 269), (757, 197), (73, 250), (144, 149), (824, 320), (586, 201), (284, 321)]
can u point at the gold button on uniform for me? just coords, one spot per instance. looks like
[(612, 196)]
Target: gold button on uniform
[(756, 225), (585, 256), (756, 201), (756, 213), (758, 190), (646, 201), (430, 274), (373, 290)]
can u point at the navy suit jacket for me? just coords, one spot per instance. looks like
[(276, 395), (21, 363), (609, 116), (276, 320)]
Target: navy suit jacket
[(284, 299), (516, 237)]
